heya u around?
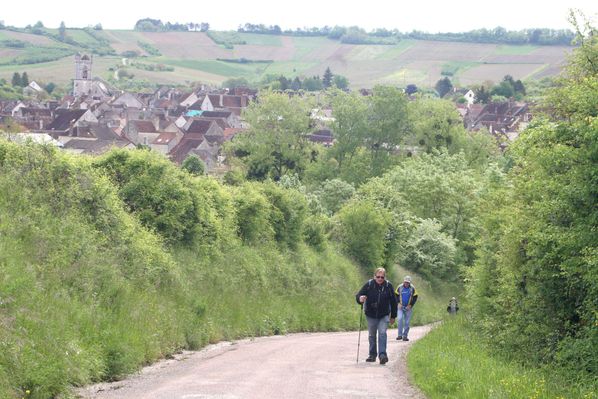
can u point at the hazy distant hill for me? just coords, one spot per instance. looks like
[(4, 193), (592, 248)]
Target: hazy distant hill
[(195, 56)]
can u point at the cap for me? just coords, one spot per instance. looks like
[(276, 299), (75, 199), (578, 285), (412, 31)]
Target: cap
[(407, 279)]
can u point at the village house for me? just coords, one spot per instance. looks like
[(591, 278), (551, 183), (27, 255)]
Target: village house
[(140, 131), (93, 139), (34, 118), (33, 89), (505, 119), (66, 120), (165, 142)]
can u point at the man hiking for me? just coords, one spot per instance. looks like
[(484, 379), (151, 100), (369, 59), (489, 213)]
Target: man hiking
[(407, 296), (453, 306), (380, 305)]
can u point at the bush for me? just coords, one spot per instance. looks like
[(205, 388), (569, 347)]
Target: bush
[(194, 165), (430, 252), (362, 231), (160, 195), (287, 215), (334, 193), (315, 231), (253, 214)]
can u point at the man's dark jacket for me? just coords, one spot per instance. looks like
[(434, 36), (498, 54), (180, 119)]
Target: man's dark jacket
[(381, 299)]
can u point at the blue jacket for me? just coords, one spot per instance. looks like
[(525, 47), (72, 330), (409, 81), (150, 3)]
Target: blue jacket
[(412, 295)]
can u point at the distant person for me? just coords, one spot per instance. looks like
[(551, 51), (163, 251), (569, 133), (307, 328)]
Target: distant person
[(453, 306), (380, 305), (407, 296)]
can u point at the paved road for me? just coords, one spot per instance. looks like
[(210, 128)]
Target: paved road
[(316, 365)]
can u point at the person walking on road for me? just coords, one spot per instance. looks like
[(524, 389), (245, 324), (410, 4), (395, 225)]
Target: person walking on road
[(407, 296), (380, 303)]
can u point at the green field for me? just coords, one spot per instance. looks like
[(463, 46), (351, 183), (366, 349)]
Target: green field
[(515, 50), (195, 58), (260, 40)]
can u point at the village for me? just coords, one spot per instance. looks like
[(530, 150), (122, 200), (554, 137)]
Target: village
[(177, 123)]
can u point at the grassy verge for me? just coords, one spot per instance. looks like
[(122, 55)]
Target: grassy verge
[(451, 362)]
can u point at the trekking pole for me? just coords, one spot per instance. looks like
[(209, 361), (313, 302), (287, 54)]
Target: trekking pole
[(359, 335)]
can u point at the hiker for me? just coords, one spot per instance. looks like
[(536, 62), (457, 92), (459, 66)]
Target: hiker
[(407, 296), (453, 306), (380, 310)]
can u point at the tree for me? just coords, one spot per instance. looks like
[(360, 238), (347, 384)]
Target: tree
[(284, 83), (296, 85), (16, 79), (349, 125), (312, 84), (340, 82), (436, 126), (388, 124), (441, 187), (24, 79), (482, 95), (97, 27), (429, 251), (276, 142), (231, 83), (194, 165), (327, 79), (411, 89), (62, 31), (333, 194), (49, 88), (443, 86)]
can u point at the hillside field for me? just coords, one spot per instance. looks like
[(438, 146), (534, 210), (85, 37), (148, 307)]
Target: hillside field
[(195, 57)]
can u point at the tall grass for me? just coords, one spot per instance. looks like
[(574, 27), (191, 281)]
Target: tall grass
[(451, 362)]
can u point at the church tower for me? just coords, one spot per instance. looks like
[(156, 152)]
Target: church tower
[(82, 83)]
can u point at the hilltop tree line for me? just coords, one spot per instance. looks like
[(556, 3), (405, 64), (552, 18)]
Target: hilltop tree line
[(156, 25), (358, 35)]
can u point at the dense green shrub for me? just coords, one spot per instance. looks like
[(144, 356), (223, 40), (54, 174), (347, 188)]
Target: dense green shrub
[(429, 251), (362, 230), (253, 214), (287, 213), (161, 195), (315, 231), (334, 193)]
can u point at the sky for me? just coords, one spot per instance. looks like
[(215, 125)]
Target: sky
[(428, 16)]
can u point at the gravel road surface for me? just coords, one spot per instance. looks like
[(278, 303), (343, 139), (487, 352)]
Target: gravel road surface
[(309, 365)]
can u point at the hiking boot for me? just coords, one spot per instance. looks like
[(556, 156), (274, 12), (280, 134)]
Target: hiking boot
[(405, 339), (399, 338), (371, 358), (383, 358)]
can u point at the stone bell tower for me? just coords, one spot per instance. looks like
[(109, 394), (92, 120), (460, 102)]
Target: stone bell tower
[(82, 82)]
